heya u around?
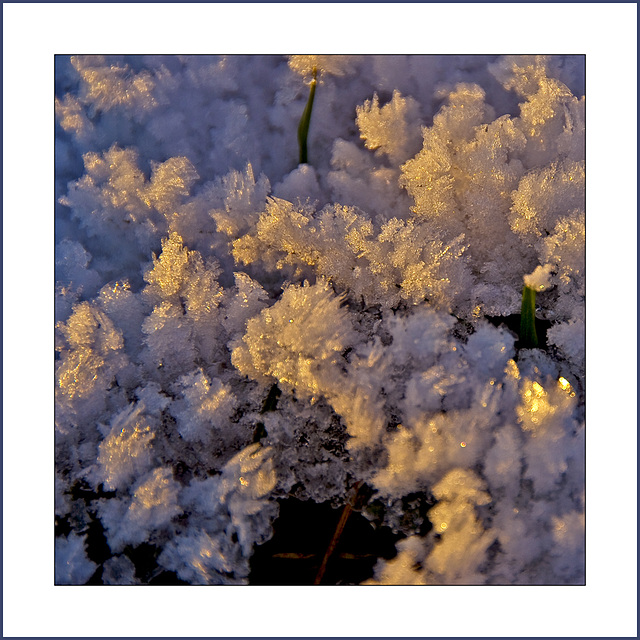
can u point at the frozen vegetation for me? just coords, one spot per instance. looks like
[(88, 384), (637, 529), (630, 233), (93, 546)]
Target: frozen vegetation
[(201, 271)]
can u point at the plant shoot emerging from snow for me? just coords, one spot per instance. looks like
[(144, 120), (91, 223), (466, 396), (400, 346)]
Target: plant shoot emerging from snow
[(303, 127)]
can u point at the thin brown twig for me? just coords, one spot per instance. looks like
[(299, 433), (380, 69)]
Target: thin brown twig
[(346, 512)]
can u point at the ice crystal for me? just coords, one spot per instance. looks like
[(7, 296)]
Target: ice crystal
[(297, 341), (332, 64), (72, 564)]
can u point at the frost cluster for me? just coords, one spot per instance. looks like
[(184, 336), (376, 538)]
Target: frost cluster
[(200, 270)]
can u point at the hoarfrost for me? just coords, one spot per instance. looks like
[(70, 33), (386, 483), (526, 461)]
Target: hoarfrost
[(145, 514), (125, 454), (119, 570), (232, 505), (72, 564), (357, 290), (297, 341), (332, 65), (392, 128)]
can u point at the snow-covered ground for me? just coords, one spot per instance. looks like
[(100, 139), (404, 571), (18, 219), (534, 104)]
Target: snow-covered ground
[(200, 268), (198, 264)]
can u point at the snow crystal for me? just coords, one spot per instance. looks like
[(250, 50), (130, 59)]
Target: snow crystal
[(72, 261), (356, 179), (539, 279), (503, 462), (205, 406), (405, 260), (248, 300), (332, 65), (301, 184), (545, 415), (72, 564), (91, 358), (126, 453), (168, 338), (125, 310), (421, 336), (401, 570), (198, 558), (232, 505), (298, 340), (151, 507), (544, 196), (73, 118), (458, 556), (171, 270), (570, 338), (119, 570), (569, 536), (107, 87), (393, 128)]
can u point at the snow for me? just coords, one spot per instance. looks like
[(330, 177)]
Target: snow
[(72, 564), (372, 310), (131, 370), (538, 280)]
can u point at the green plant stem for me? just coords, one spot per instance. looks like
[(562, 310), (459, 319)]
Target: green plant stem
[(303, 127), (528, 335)]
